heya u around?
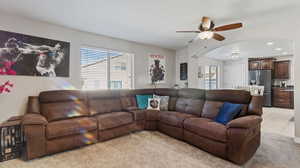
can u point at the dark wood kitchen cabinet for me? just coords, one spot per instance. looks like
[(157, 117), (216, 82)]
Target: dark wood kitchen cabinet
[(267, 64), (254, 65), (282, 98), (261, 64), (282, 70)]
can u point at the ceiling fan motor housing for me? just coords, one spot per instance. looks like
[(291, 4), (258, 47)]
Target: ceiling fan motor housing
[(207, 26)]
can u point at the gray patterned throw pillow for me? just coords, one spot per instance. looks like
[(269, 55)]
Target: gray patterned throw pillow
[(164, 102)]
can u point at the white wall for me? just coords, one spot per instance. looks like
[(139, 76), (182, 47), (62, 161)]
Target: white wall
[(204, 61), (198, 61), (181, 57), (235, 73), (15, 102)]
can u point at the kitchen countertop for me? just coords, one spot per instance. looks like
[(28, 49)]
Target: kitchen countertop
[(287, 89)]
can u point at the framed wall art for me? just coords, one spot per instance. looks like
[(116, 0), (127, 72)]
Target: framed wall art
[(33, 56)]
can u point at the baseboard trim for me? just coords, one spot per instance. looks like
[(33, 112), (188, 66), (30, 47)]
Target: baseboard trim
[(297, 140)]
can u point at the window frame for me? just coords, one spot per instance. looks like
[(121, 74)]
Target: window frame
[(109, 50), (209, 77)]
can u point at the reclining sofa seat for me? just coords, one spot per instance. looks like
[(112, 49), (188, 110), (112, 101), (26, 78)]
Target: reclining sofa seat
[(107, 108), (57, 121), (61, 120), (145, 119), (188, 104), (237, 143)]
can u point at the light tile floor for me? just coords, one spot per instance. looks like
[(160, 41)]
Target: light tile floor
[(279, 121)]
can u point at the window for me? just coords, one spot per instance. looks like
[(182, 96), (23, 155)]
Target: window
[(106, 69), (119, 66), (116, 84), (211, 77)]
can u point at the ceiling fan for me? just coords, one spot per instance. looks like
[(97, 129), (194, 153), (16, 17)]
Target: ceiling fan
[(207, 29)]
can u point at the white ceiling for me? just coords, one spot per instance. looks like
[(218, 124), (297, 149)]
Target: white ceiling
[(151, 22), (252, 49)]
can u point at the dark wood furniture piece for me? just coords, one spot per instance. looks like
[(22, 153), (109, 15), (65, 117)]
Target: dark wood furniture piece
[(282, 69), (11, 139), (261, 63), (283, 97)]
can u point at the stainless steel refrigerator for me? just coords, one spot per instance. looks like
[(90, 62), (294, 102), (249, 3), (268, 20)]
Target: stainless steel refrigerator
[(263, 78)]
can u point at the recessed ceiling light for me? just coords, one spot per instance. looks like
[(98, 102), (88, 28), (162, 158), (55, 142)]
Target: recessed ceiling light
[(235, 55), (278, 49), (270, 43)]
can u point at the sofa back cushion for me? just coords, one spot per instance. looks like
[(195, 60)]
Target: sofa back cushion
[(232, 96), (211, 109), (173, 95), (190, 106), (104, 101), (190, 101), (216, 98), (64, 104), (128, 99)]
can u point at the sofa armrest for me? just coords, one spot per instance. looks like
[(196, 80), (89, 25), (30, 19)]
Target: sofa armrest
[(256, 105), (34, 119), (243, 138), (245, 122), (34, 127), (16, 118), (33, 105)]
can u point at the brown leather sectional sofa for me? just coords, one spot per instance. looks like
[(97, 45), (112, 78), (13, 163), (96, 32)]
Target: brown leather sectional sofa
[(61, 120)]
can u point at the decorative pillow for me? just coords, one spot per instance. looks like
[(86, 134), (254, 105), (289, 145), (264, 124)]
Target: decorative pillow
[(164, 102), (228, 112), (142, 101), (153, 104)]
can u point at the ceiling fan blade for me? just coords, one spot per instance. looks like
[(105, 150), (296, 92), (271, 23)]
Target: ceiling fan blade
[(229, 27), (187, 31), (218, 37)]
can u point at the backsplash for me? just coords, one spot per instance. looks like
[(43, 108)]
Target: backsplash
[(276, 82)]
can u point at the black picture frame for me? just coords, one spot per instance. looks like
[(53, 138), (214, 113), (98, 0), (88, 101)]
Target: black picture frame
[(183, 71)]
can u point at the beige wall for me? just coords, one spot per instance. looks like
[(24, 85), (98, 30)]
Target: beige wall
[(15, 102)]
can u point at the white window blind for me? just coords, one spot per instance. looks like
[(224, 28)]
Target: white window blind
[(101, 68)]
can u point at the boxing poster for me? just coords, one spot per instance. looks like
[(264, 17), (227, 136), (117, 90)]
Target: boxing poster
[(157, 68), (33, 56)]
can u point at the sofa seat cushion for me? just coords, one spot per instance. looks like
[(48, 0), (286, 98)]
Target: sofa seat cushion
[(114, 119), (174, 118), (68, 127), (206, 128)]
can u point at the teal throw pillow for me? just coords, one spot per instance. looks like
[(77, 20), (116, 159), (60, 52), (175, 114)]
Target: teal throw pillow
[(142, 101)]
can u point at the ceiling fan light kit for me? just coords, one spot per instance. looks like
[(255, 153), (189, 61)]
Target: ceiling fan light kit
[(206, 35), (207, 30)]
